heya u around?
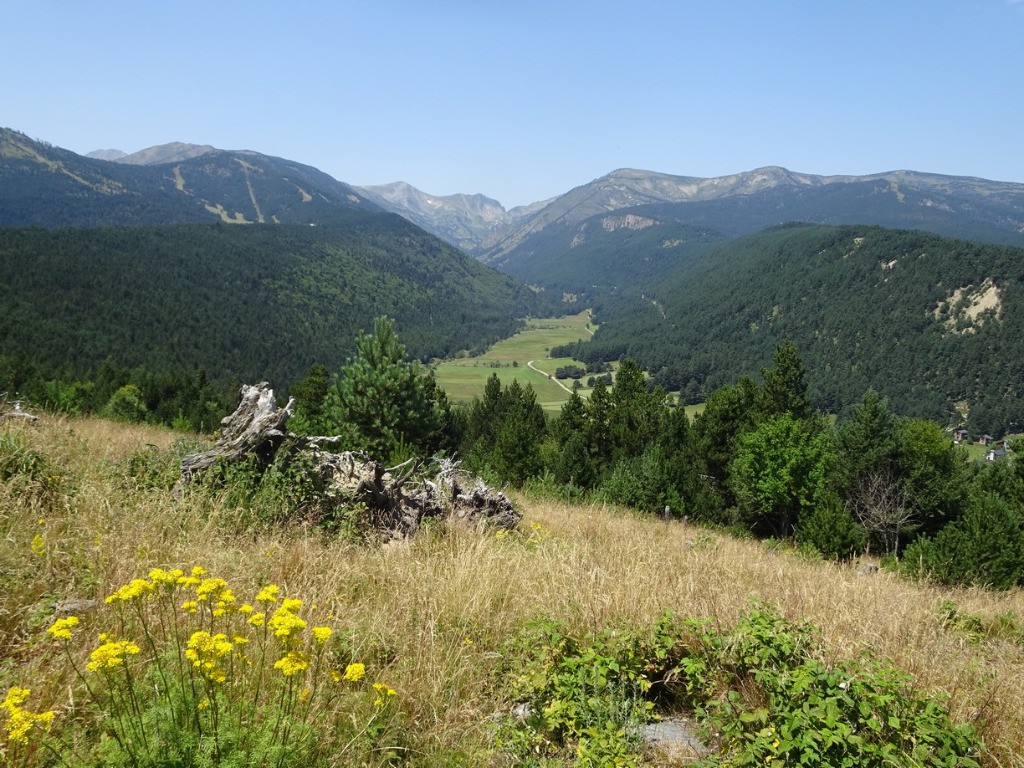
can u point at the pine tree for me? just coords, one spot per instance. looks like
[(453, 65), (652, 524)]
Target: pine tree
[(383, 403), (784, 386)]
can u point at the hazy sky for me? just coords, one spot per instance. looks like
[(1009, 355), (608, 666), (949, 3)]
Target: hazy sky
[(524, 100)]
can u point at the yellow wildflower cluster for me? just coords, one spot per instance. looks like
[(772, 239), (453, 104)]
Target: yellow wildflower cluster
[(166, 579), (355, 672), (111, 654), (322, 634), (210, 587), (268, 594), (214, 598), (21, 721), (292, 663), (61, 628), (135, 589), (285, 624), (217, 659), (205, 650), (384, 694)]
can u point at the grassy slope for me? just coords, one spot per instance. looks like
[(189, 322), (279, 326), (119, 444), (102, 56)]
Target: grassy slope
[(464, 378), (443, 604)]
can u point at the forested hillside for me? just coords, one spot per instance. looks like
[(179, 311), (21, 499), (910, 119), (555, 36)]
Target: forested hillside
[(246, 302), (936, 325), (609, 253)]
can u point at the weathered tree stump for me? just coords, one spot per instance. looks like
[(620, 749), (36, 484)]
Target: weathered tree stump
[(396, 500), (18, 415), (256, 427)]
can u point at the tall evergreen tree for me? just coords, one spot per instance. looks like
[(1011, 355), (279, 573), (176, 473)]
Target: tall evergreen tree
[(383, 403), (516, 454), (784, 387), (636, 416)]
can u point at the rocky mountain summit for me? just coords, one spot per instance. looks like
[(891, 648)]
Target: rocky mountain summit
[(465, 221)]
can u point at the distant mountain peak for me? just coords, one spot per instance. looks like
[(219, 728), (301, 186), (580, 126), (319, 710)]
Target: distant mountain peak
[(464, 220), (111, 155), (175, 152)]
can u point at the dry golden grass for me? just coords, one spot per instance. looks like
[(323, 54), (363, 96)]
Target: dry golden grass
[(433, 613)]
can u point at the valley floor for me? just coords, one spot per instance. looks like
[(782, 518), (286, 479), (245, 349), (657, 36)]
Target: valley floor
[(524, 357)]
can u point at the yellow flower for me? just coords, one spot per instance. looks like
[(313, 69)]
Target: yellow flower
[(38, 545), (15, 698), (207, 588), (304, 696), (190, 606), (384, 693), (187, 581), (166, 578), (137, 588), (245, 608), (20, 721), (285, 624), (292, 663), (355, 672), (204, 704), (291, 604), (111, 655), (322, 634), (335, 675), (198, 571), (268, 594), (61, 628), (204, 649)]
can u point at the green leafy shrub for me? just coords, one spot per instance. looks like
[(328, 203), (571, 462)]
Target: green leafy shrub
[(589, 697), (762, 690), (150, 468), (289, 488), (831, 530), (985, 547), (786, 707), (126, 404)]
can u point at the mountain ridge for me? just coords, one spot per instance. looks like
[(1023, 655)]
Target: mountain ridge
[(43, 185), (959, 206)]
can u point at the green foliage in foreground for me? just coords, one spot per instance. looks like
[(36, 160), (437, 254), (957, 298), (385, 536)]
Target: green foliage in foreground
[(761, 689)]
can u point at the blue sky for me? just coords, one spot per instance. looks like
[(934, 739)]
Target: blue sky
[(525, 100)]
